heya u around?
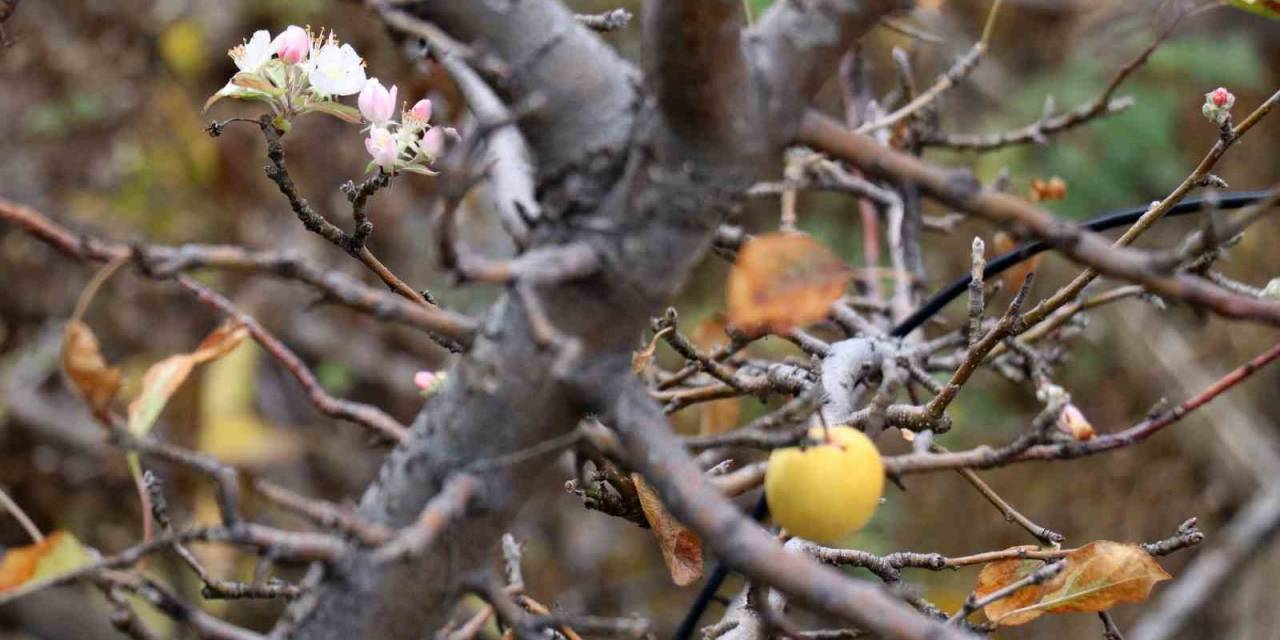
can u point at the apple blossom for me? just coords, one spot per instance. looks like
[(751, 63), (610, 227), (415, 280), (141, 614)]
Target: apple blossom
[(417, 116), (336, 70), (432, 143), (384, 148), (377, 105), (253, 53), (292, 45)]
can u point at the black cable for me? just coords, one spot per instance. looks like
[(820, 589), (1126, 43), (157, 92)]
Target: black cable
[(1232, 200)]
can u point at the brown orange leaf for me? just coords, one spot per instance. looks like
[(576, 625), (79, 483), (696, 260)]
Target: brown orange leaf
[(1098, 576), (25, 569), (783, 280), (82, 360), (996, 576), (681, 548), (1013, 277), (1102, 574)]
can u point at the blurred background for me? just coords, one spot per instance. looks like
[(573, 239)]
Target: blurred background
[(101, 128)]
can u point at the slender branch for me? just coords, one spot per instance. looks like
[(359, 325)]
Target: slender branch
[(986, 457), (452, 330), (365, 415), (960, 190), (614, 20), (1049, 124)]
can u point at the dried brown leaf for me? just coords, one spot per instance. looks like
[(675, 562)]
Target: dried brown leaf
[(996, 576), (783, 280), (681, 548), (1098, 576), (640, 360), (82, 360)]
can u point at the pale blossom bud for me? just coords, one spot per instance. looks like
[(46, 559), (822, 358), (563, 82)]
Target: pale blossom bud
[(292, 45), (1073, 423), (382, 145), (421, 110), (428, 381), (433, 142), (376, 103), (1217, 105)]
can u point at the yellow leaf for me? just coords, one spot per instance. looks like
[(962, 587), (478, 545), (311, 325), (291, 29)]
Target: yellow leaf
[(681, 548), (26, 569), (783, 280), (165, 377), (230, 427), (82, 360)]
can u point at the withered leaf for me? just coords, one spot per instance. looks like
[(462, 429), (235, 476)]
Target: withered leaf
[(165, 377), (681, 548), (783, 280), (82, 360), (26, 569), (996, 576), (1098, 576)]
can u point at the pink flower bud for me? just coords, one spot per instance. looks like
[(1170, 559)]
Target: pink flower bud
[(376, 103), (429, 381), (1220, 98), (382, 145), (433, 142), (421, 111), (292, 45)]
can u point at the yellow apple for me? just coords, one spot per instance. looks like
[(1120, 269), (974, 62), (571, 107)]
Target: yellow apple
[(825, 492)]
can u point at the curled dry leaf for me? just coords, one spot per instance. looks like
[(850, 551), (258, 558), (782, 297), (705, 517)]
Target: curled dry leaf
[(681, 548), (26, 569), (165, 377), (996, 575), (783, 280), (640, 360), (82, 360), (1098, 576)]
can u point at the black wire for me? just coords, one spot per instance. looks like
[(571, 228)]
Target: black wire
[(1232, 200), (1025, 250)]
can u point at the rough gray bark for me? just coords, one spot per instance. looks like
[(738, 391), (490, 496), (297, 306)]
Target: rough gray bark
[(645, 184)]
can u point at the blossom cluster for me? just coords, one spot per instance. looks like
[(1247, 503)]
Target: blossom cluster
[(300, 72)]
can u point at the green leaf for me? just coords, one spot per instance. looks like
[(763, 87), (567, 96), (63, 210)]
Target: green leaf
[(337, 110), (1268, 8)]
